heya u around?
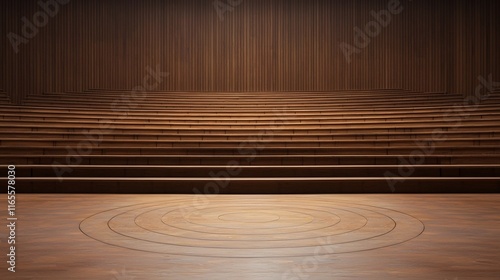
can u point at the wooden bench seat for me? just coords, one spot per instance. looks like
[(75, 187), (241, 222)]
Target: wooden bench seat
[(305, 159), (260, 185), (281, 111), (267, 171), (211, 98), (111, 135), (190, 94), (253, 101), (247, 150), (271, 143), (216, 102), (57, 115), (242, 108), (125, 123), (374, 129)]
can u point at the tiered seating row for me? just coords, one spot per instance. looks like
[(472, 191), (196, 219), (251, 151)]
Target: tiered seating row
[(162, 142)]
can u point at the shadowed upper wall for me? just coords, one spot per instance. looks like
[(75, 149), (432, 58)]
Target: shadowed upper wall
[(257, 45)]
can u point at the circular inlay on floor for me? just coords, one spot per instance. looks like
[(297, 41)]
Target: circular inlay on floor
[(252, 227)]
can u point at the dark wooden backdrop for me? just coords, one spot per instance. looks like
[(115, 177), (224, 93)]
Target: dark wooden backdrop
[(262, 45)]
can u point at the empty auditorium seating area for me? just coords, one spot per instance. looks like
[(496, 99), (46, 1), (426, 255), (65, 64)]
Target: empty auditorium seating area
[(382, 141)]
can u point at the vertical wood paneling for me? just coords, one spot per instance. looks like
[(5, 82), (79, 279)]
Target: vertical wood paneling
[(495, 39), (263, 45)]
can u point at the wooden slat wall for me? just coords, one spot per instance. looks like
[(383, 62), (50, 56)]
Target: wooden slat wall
[(495, 40), (263, 45)]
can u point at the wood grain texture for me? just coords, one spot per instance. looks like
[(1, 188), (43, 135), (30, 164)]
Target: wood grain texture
[(261, 45), (316, 237), (344, 142)]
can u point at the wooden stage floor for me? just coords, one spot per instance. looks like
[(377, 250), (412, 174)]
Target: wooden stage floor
[(254, 237)]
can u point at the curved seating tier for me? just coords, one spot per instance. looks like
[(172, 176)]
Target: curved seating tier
[(380, 141)]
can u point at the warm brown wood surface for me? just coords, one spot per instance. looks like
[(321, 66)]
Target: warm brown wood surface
[(260, 45), (364, 137), (256, 237)]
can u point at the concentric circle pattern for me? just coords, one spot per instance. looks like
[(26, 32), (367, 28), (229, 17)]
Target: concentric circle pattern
[(246, 228)]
